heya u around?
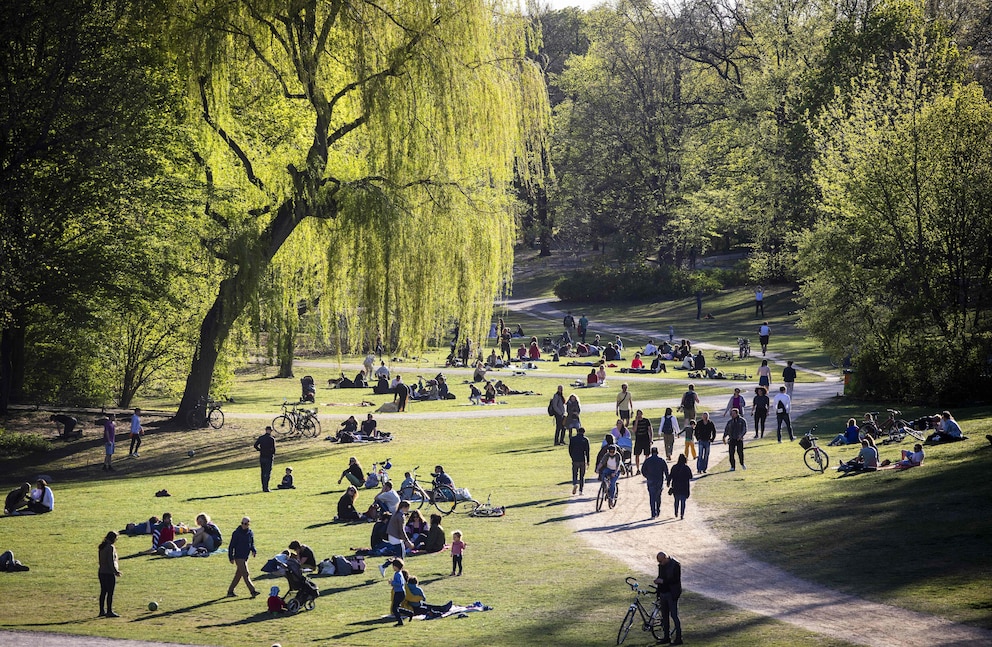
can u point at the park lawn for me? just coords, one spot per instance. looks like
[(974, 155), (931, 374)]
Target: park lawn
[(918, 539), (528, 565)]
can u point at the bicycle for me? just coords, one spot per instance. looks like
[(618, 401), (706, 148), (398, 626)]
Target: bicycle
[(743, 347), (206, 412), (441, 496), (296, 421), (650, 621), (381, 470), (815, 458), (894, 428), (487, 509)]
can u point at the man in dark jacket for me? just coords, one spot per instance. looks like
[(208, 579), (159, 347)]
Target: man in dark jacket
[(265, 445), (705, 434), (655, 470), (736, 431), (578, 451), (242, 545), (669, 587)]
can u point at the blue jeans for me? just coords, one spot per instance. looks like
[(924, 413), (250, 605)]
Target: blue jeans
[(655, 489), (612, 475), (703, 461)]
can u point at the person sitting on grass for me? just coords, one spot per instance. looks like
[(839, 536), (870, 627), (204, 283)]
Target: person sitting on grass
[(415, 602), (948, 430), (534, 352), (287, 480), (436, 538), (650, 349), (479, 375), (911, 458), (275, 603), (850, 435), (865, 461), (592, 379), (346, 506), (42, 498), (17, 499), (354, 473), (522, 352), (416, 528), (207, 534), (489, 397), (636, 363)]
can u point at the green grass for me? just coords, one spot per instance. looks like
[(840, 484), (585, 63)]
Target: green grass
[(528, 564), (917, 539)]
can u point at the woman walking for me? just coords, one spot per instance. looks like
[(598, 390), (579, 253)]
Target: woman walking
[(108, 574), (678, 480)]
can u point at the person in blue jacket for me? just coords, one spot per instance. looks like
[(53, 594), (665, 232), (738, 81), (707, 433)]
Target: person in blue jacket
[(241, 546)]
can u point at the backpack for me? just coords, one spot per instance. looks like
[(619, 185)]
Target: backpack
[(689, 400), (551, 408), (348, 565), (667, 427), (372, 480)]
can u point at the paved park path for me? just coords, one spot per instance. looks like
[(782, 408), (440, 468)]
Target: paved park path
[(710, 566), (714, 568)]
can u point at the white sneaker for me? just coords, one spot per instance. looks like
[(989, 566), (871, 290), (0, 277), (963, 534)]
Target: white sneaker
[(135, 454), (382, 570)]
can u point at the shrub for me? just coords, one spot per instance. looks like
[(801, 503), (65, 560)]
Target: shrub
[(18, 444), (604, 282)]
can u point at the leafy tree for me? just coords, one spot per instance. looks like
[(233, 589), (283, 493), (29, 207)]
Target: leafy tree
[(897, 269), (393, 126)]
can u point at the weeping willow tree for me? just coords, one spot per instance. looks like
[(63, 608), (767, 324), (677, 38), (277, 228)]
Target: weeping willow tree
[(391, 126)]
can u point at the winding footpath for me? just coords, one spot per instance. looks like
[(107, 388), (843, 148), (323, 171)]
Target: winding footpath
[(716, 569)]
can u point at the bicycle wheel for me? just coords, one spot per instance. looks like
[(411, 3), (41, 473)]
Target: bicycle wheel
[(816, 459), (601, 496), (308, 429), (616, 494), (915, 433), (625, 626), (655, 622), (415, 495), (316, 424), (283, 424), (216, 419), (443, 499)]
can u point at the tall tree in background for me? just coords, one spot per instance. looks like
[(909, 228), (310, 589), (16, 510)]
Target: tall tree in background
[(396, 125)]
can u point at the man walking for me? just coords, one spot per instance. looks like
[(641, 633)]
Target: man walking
[(783, 411), (669, 587), (759, 301), (265, 445), (242, 545), (736, 430), (688, 406), (557, 409), (136, 432), (400, 394), (705, 434), (625, 404), (789, 377), (583, 327), (655, 470), (764, 332), (578, 451)]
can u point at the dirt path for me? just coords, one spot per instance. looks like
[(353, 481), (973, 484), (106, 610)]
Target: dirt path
[(714, 568)]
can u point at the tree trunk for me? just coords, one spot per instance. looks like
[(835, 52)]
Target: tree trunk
[(11, 365), (285, 346)]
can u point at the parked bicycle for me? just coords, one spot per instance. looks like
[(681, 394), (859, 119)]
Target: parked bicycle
[(815, 458), (487, 509), (894, 429), (296, 421), (650, 620), (440, 496), (206, 412)]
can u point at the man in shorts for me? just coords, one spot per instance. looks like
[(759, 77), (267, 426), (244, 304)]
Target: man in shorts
[(764, 332), (625, 403), (641, 428)]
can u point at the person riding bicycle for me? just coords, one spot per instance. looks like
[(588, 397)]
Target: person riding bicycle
[(609, 469)]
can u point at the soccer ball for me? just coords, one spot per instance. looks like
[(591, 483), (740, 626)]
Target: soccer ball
[(153, 606), (191, 453)]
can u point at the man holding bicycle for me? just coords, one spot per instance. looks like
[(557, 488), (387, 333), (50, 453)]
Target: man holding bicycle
[(669, 587)]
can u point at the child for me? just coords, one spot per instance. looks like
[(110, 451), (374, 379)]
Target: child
[(457, 548), (276, 603), (287, 481), (690, 434), (398, 584)]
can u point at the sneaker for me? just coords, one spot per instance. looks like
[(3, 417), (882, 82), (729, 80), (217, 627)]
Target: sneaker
[(733, 469), (232, 594), (382, 570), (111, 614), (743, 466), (447, 607), (135, 454), (677, 641)]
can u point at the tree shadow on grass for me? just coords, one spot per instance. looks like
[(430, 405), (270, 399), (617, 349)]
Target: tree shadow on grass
[(192, 607)]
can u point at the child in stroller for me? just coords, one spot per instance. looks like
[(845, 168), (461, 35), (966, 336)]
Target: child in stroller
[(306, 591), (309, 389)]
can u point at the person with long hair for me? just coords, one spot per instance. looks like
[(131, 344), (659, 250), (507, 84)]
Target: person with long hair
[(108, 574)]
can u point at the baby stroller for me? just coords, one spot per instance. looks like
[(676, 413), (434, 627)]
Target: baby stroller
[(306, 591), (309, 389)]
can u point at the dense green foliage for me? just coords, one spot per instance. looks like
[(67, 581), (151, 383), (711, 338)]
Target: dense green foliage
[(606, 282), (14, 444)]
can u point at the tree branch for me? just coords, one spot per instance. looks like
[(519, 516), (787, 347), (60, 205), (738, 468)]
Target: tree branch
[(231, 144)]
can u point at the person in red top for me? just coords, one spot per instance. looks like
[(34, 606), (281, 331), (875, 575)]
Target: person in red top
[(276, 603), (592, 379), (535, 351), (636, 362)]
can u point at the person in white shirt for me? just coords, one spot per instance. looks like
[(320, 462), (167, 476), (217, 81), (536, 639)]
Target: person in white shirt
[(764, 332), (388, 499), (382, 371), (783, 409), (650, 348), (42, 499)]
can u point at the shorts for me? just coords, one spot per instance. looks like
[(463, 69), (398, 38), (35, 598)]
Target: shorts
[(763, 339), (642, 445), (624, 414), (110, 448), (763, 381)]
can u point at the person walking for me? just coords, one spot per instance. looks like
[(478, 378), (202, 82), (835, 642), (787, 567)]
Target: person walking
[(736, 401), (625, 404), (668, 585), (759, 409), (265, 445), (764, 332), (783, 411), (583, 327), (669, 426), (557, 409), (642, 438), (137, 431), (789, 377), (736, 431), (759, 301), (678, 480), (705, 434), (655, 470), (109, 439), (108, 573), (400, 394), (688, 405), (578, 451), (690, 433), (242, 545)]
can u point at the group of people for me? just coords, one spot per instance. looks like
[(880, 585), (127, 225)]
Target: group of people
[(30, 500)]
